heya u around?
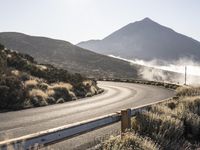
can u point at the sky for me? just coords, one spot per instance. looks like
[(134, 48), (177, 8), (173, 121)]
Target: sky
[(81, 20)]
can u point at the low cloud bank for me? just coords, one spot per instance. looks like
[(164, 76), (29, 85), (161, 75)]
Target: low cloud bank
[(158, 70)]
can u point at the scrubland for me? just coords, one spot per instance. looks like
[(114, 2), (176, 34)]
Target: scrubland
[(170, 125), (24, 83)]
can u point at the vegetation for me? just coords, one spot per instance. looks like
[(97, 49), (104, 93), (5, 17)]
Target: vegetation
[(173, 125), (1, 47), (146, 82), (24, 83)]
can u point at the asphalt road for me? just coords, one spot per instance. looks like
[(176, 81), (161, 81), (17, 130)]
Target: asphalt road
[(117, 96)]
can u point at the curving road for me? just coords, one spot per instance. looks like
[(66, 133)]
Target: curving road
[(117, 96)]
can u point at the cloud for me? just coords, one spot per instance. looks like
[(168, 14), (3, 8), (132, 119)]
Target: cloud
[(158, 70)]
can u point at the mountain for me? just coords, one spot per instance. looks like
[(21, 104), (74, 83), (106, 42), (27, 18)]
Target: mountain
[(146, 40), (63, 54)]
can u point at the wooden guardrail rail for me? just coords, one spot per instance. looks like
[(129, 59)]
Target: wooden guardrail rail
[(54, 135)]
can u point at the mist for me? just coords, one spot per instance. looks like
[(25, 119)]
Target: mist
[(156, 70)]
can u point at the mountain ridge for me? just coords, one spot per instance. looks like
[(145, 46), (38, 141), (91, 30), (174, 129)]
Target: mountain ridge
[(148, 40)]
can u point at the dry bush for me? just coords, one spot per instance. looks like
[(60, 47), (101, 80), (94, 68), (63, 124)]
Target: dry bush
[(130, 141), (161, 109), (61, 90), (30, 84), (61, 85), (192, 126), (160, 127), (38, 98), (37, 93), (50, 92), (43, 86), (188, 91), (192, 104)]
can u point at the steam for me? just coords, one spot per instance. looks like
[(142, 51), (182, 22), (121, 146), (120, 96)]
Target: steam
[(157, 70)]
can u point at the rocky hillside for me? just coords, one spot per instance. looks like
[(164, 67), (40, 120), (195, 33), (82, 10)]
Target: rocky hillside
[(24, 83), (146, 40), (67, 56)]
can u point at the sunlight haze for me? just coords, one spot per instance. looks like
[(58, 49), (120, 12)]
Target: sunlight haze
[(80, 20)]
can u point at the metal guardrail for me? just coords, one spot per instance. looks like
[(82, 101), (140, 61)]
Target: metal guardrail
[(54, 135)]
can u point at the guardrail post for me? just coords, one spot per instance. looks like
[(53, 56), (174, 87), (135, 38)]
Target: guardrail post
[(125, 120)]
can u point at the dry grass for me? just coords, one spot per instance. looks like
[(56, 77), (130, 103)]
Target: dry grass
[(159, 127), (50, 92), (192, 104), (131, 141), (37, 93), (188, 91), (31, 83), (61, 85)]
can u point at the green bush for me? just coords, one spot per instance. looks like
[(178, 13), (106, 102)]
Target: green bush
[(12, 93)]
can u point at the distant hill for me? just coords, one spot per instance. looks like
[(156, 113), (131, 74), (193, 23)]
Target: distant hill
[(146, 40), (65, 55)]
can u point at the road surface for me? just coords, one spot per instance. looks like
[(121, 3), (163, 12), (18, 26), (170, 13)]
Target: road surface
[(117, 96)]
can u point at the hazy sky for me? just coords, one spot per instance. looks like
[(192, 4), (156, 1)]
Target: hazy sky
[(79, 20)]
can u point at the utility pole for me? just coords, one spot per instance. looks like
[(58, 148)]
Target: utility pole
[(185, 75)]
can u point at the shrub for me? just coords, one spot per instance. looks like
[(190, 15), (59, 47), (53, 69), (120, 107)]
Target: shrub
[(38, 101), (51, 100), (80, 90), (61, 85), (37, 93), (31, 84), (43, 86), (192, 126), (50, 92), (160, 127), (188, 91), (12, 93), (130, 141), (24, 76), (192, 104), (3, 63)]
